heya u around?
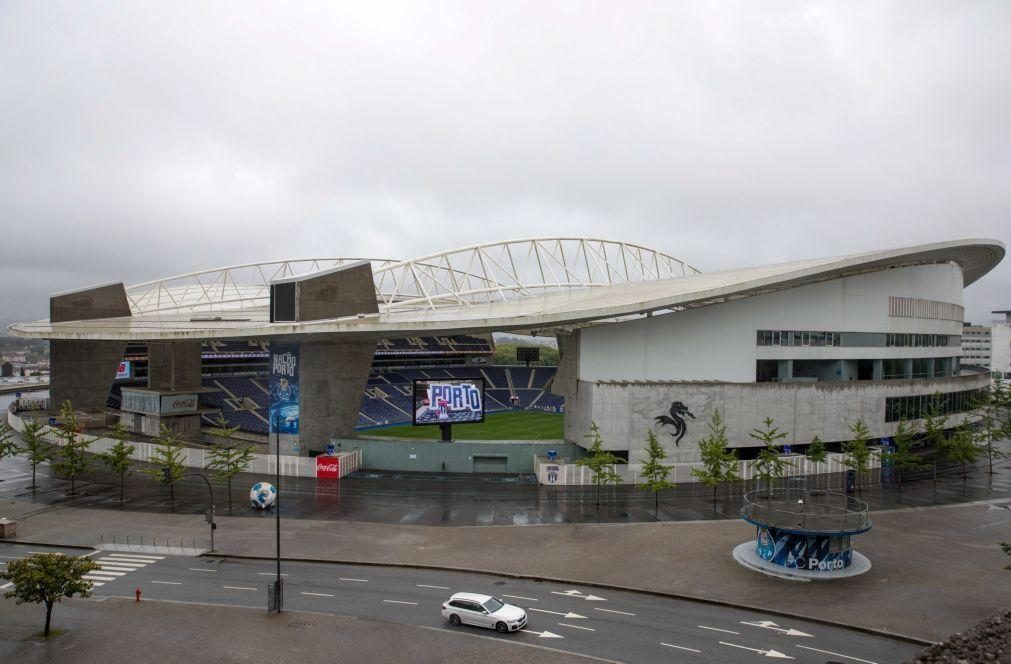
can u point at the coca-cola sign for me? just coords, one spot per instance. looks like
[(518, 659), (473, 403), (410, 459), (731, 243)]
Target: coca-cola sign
[(178, 403), (328, 467)]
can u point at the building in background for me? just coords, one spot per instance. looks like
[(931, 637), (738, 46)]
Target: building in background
[(1000, 345)]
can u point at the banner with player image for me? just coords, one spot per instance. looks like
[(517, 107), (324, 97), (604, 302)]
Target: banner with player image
[(448, 401), (284, 410)]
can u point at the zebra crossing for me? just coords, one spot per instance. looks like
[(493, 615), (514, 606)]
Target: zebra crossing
[(113, 566)]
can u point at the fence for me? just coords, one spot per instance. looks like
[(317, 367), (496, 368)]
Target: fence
[(570, 474), (262, 464)]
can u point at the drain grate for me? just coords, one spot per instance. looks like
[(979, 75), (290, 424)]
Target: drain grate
[(301, 625)]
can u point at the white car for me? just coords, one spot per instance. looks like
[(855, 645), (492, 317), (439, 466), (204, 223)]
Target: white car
[(483, 611)]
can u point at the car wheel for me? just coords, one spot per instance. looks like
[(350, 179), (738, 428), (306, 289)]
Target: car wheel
[(454, 620), (501, 628)]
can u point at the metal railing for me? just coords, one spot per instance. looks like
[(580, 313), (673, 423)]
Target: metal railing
[(800, 509)]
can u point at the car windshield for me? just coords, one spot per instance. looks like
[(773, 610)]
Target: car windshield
[(493, 605)]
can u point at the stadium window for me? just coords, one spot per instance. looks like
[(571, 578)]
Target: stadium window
[(775, 338), (805, 338)]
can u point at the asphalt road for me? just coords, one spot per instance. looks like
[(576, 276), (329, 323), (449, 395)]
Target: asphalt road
[(613, 625)]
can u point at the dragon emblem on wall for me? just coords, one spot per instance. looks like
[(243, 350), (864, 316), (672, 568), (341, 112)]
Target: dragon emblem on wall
[(675, 419)]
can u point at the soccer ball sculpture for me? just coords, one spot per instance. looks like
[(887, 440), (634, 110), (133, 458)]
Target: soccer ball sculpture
[(263, 495)]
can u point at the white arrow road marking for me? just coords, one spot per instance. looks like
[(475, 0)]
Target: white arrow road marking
[(422, 585), (238, 588), (529, 599), (318, 594), (768, 624), (579, 595), (397, 601), (717, 629), (358, 580), (545, 634), (569, 615), (767, 653), (168, 583), (588, 629), (855, 659), (671, 645), (624, 613)]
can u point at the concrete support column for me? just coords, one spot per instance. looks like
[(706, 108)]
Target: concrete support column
[(83, 372), (907, 368), (785, 370), (332, 376), (879, 371), (173, 365)]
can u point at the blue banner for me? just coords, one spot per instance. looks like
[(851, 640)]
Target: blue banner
[(284, 412), (809, 552)]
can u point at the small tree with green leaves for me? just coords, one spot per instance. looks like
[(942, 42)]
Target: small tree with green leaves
[(655, 472), (600, 462), (816, 452), (963, 447), (994, 425), (903, 458), (8, 446), (857, 452), (35, 446), (769, 465), (228, 460), (718, 463), (46, 578), (934, 424), (117, 459), (168, 462), (71, 460)]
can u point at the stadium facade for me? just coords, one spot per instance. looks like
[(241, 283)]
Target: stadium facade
[(647, 342)]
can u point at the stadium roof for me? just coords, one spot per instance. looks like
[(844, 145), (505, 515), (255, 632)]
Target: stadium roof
[(533, 285)]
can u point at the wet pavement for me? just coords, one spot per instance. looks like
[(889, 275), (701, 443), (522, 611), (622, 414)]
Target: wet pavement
[(468, 500)]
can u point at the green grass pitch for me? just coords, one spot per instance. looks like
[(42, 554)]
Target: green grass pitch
[(511, 425)]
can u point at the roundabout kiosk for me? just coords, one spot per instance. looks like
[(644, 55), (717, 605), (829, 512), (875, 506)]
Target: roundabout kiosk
[(804, 535)]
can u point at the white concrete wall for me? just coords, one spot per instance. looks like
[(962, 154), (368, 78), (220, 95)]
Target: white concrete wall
[(718, 342)]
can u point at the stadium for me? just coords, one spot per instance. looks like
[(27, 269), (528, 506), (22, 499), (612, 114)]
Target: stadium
[(329, 351)]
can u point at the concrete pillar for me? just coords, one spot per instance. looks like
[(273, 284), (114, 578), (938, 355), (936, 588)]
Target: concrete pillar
[(785, 370), (173, 365), (82, 371), (907, 368), (879, 370), (332, 376)]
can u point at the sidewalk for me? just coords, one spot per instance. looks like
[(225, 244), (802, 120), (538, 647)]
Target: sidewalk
[(937, 570)]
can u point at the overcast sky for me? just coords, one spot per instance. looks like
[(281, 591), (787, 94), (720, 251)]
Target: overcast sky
[(144, 140)]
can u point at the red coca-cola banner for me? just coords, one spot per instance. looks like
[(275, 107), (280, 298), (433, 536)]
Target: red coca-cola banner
[(328, 467)]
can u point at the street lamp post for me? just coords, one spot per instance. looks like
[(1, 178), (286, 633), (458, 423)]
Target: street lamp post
[(278, 590), (210, 513)]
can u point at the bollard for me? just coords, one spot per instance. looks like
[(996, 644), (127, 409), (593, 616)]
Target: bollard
[(138, 594)]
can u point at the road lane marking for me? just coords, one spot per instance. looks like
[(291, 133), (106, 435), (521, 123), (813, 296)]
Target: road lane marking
[(529, 599), (578, 595), (671, 645), (201, 569), (136, 555), (397, 601), (117, 568), (624, 613), (568, 615), (95, 583), (766, 653), (14, 557), (6, 585), (422, 585), (543, 635), (717, 629), (588, 629), (238, 588), (122, 563), (358, 580), (106, 572), (835, 654), (768, 624), (168, 583), (271, 574), (88, 555), (318, 594)]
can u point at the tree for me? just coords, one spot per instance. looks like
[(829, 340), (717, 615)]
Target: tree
[(117, 459), (769, 465), (816, 452), (600, 462), (71, 460), (655, 472), (168, 461), (990, 408), (903, 458), (718, 463), (35, 446), (857, 451), (46, 578), (8, 447), (228, 460), (963, 447), (933, 425)]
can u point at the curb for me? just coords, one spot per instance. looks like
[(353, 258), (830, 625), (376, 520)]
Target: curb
[(595, 584), (53, 546)]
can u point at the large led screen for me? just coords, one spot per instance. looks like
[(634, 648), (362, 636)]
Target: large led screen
[(448, 401)]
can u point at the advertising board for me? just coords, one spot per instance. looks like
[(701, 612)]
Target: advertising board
[(125, 370), (448, 401), (284, 393), (175, 404), (328, 467)]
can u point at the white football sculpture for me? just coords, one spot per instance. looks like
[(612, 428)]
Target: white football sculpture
[(262, 495)]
